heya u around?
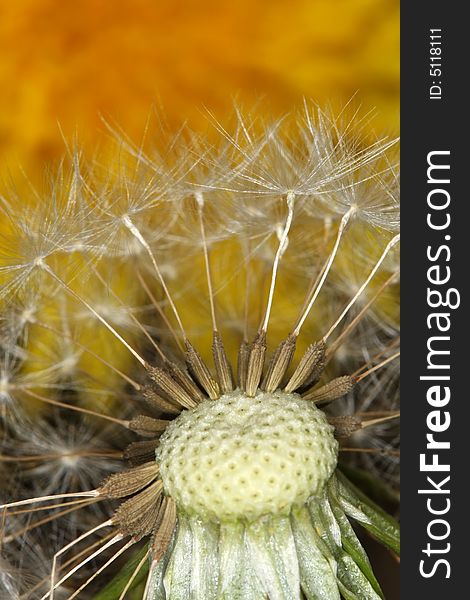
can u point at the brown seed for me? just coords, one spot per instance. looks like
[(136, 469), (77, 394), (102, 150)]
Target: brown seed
[(310, 367), (139, 453), (120, 485), (279, 363), (183, 378), (222, 365), (336, 388), (200, 372), (158, 403), (138, 516), (242, 367), (345, 425), (168, 385), (165, 530), (147, 426), (256, 363)]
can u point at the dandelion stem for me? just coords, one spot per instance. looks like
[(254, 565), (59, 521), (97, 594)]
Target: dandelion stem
[(379, 355), (374, 413), (68, 562), (43, 521), (57, 455), (246, 307), (381, 451), (50, 507), (134, 319), (106, 363), (88, 494), (311, 289), (379, 420)]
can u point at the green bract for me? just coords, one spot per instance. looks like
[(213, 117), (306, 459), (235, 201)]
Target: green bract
[(311, 553)]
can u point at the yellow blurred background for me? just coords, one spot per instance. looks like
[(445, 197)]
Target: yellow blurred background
[(69, 61), (65, 64)]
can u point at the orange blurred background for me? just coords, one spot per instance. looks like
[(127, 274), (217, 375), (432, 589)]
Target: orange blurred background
[(68, 62)]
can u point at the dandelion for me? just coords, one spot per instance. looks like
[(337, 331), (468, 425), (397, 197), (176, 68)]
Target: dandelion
[(213, 316)]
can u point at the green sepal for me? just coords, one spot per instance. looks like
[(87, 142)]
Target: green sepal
[(205, 567), (333, 526), (349, 540), (353, 581), (237, 580), (324, 522), (357, 506), (317, 573), (156, 590), (272, 551), (177, 578)]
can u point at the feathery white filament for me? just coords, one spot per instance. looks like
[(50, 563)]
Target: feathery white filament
[(378, 366), (136, 233), (280, 251), (112, 541), (326, 269), (389, 246), (134, 575), (102, 568), (200, 209), (90, 494), (94, 312), (67, 547)]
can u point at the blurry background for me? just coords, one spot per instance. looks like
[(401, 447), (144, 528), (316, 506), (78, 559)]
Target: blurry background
[(68, 62)]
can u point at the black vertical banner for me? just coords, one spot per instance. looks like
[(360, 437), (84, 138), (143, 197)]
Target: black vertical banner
[(436, 326)]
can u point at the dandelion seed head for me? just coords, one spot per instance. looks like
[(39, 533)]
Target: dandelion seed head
[(241, 457), (211, 306)]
